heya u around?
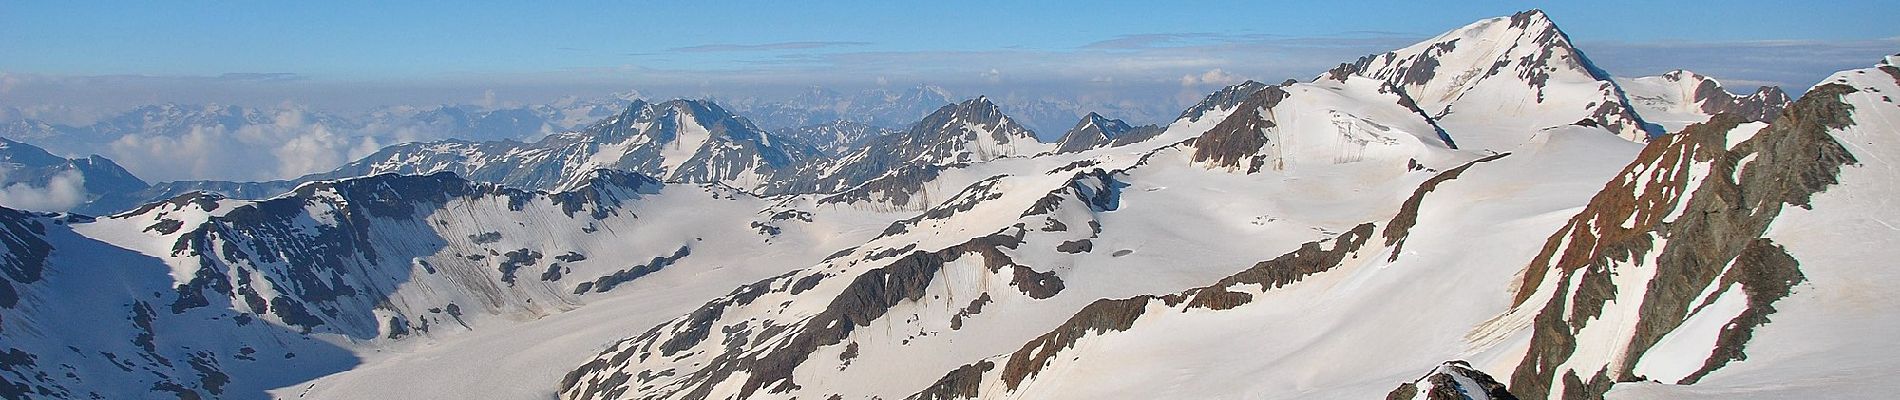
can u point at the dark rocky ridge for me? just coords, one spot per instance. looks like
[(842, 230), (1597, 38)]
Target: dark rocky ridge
[(330, 277), (862, 302), (901, 281), (1227, 97), (1401, 225), (901, 188), (1721, 220), (1114, 315)]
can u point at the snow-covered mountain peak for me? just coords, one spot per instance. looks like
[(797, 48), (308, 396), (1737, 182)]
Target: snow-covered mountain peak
[(1095, 120), (971, 131), (968, 118), (1512, 76), (1095, 130), (641, 117), (1437, 70), (978, 103), (1679, 98)]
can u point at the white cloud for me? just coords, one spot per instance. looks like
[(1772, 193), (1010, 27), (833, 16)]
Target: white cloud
[(488, 99), (61, 193), (1213, 77), (290, 146), (992, 75), (7, 82), (319, 150)]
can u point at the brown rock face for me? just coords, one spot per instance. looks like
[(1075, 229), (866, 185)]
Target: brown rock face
[(1239, 136), (1721, 220)]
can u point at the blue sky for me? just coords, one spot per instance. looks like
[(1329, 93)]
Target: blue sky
[(232, 51)]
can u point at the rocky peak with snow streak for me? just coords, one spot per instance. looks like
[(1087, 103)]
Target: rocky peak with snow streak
[(1453, 380), (972, 131), (1095, 130), (1225, 98)]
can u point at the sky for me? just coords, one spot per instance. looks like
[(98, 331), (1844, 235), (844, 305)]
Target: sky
[(300, 64), (362, 54)]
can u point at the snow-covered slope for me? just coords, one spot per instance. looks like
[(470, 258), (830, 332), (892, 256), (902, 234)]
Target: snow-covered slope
[(1327, 122), (1668, 273), (1679, 98), (229, 298), (1614, 294), (1013, 255), (1379, 303), (1494, 82)]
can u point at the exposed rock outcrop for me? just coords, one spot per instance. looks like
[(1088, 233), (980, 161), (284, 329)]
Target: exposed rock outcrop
[(1687, 215), (1453, 380)]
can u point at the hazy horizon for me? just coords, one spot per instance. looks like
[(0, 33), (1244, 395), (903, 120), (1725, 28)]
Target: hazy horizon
[(100, 58), (1136, 61)]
